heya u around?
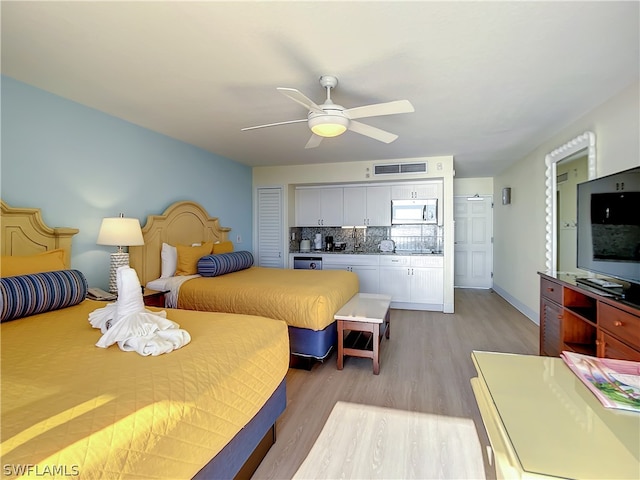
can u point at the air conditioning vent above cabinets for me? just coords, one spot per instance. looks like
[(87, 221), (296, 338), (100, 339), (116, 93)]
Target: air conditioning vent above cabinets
[(400, 168)]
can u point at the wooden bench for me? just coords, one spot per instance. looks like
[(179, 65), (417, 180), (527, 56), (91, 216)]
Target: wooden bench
[(366, 318)]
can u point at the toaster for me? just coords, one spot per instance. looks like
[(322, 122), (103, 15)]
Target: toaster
[(387, 246)]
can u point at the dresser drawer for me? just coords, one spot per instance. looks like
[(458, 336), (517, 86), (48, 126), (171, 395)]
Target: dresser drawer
[(609, 347), (551, 290), (620, 324)]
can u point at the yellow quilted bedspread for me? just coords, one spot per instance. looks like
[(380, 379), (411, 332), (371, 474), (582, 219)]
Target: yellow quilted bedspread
[(302, 298), (73, 409)]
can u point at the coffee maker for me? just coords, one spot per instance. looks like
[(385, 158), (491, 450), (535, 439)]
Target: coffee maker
[(328, 243)]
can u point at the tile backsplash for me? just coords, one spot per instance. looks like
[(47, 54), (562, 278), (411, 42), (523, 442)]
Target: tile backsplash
[(407, 238)]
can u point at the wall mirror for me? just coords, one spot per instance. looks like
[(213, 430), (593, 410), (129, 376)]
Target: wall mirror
[(566, 166)]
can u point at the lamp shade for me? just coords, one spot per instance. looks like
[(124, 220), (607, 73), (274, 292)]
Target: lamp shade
[(120, 231), (328, 125)]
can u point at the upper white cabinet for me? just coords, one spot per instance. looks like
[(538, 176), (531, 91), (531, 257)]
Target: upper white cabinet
[(410, 191), (319, 206), (369, 206)]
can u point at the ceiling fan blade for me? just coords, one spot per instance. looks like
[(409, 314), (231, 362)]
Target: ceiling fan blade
[(300, 98), (314, 141), (273, 124), (372, 132), (379, 109)]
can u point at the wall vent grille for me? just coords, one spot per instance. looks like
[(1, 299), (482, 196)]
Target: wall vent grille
[(400, 168), (563, 177)]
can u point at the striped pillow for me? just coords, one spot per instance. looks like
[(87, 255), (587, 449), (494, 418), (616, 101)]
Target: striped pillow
[(214, 265), (25, 295)]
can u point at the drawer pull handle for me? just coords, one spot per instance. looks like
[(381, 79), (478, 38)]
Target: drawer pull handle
[(617, 323), (559, 317), (549, 289)]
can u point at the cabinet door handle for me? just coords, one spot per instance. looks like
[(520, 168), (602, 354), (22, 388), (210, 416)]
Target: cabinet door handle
[(559, 316), (617, 323)]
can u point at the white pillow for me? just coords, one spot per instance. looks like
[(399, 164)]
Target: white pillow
[(169, 258)]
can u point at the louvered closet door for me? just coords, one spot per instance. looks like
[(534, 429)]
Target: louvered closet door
[(269, 221)]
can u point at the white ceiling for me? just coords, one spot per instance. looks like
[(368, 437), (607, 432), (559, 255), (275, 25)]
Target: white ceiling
[(490, 81)]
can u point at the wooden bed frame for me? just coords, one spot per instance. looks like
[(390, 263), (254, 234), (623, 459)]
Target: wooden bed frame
[(187, 222), (183, 222), (23, 232)]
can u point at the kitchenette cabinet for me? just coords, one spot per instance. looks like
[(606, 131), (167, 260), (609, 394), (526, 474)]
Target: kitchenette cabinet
[(365, 266), (413, 279), (368, 206), (411, 191), (361, 205), (415, 282), (319, 206)]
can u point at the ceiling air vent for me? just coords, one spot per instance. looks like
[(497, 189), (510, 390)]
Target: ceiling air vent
[(400, 168)]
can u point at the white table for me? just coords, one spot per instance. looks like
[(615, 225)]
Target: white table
[(544, 423), (369, 442), (364, 313)]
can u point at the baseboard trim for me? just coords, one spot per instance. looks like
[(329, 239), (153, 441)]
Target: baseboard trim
[(521, 307)]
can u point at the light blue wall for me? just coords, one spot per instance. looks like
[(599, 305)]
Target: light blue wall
[(79, 165)]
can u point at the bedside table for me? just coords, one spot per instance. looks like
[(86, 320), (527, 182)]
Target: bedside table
[(153, 298)]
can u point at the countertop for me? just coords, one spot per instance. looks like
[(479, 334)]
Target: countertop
[(351, 252)]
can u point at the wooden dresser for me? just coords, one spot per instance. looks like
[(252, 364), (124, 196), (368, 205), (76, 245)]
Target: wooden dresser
[(584, 320)]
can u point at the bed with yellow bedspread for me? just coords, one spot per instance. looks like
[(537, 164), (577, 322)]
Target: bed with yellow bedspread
[(74, 409), (302, 298)]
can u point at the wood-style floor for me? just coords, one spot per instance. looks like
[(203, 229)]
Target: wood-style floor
[(425, 366)]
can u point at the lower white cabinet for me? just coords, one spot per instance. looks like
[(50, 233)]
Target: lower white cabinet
[(365, 266), (412, 279), (415, 282)]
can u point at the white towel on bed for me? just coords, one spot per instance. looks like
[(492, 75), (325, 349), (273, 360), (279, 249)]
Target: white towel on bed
[(134, 328)]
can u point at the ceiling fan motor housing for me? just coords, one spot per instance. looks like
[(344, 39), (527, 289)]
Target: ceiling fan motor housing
[(331, 123)]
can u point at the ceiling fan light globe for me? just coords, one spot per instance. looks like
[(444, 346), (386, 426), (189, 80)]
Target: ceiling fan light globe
[(328, 125)]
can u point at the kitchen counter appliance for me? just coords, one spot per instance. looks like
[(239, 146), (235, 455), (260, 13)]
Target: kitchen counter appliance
[(307, 263), (387, 246), (409, 212)]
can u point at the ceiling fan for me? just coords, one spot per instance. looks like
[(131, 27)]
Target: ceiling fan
[(331, 120)]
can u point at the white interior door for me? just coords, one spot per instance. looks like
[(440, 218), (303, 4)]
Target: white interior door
[(473, 242), (269, 242)]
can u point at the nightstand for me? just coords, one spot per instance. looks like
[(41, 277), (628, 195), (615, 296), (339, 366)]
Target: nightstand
[(153, 298)]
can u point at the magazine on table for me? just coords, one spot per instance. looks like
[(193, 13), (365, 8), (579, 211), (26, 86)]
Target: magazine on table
[(616, 383)]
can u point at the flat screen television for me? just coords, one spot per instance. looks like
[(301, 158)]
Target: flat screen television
[(609, 228)]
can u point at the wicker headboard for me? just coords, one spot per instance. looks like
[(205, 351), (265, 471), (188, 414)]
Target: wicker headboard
[(23, 232), (183, 222)]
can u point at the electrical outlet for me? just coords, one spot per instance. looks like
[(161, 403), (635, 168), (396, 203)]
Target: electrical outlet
[(238, 239)]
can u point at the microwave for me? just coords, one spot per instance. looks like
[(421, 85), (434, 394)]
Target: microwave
[(405, 212)]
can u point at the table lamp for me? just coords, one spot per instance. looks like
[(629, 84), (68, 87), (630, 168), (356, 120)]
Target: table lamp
[(120, 232)]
